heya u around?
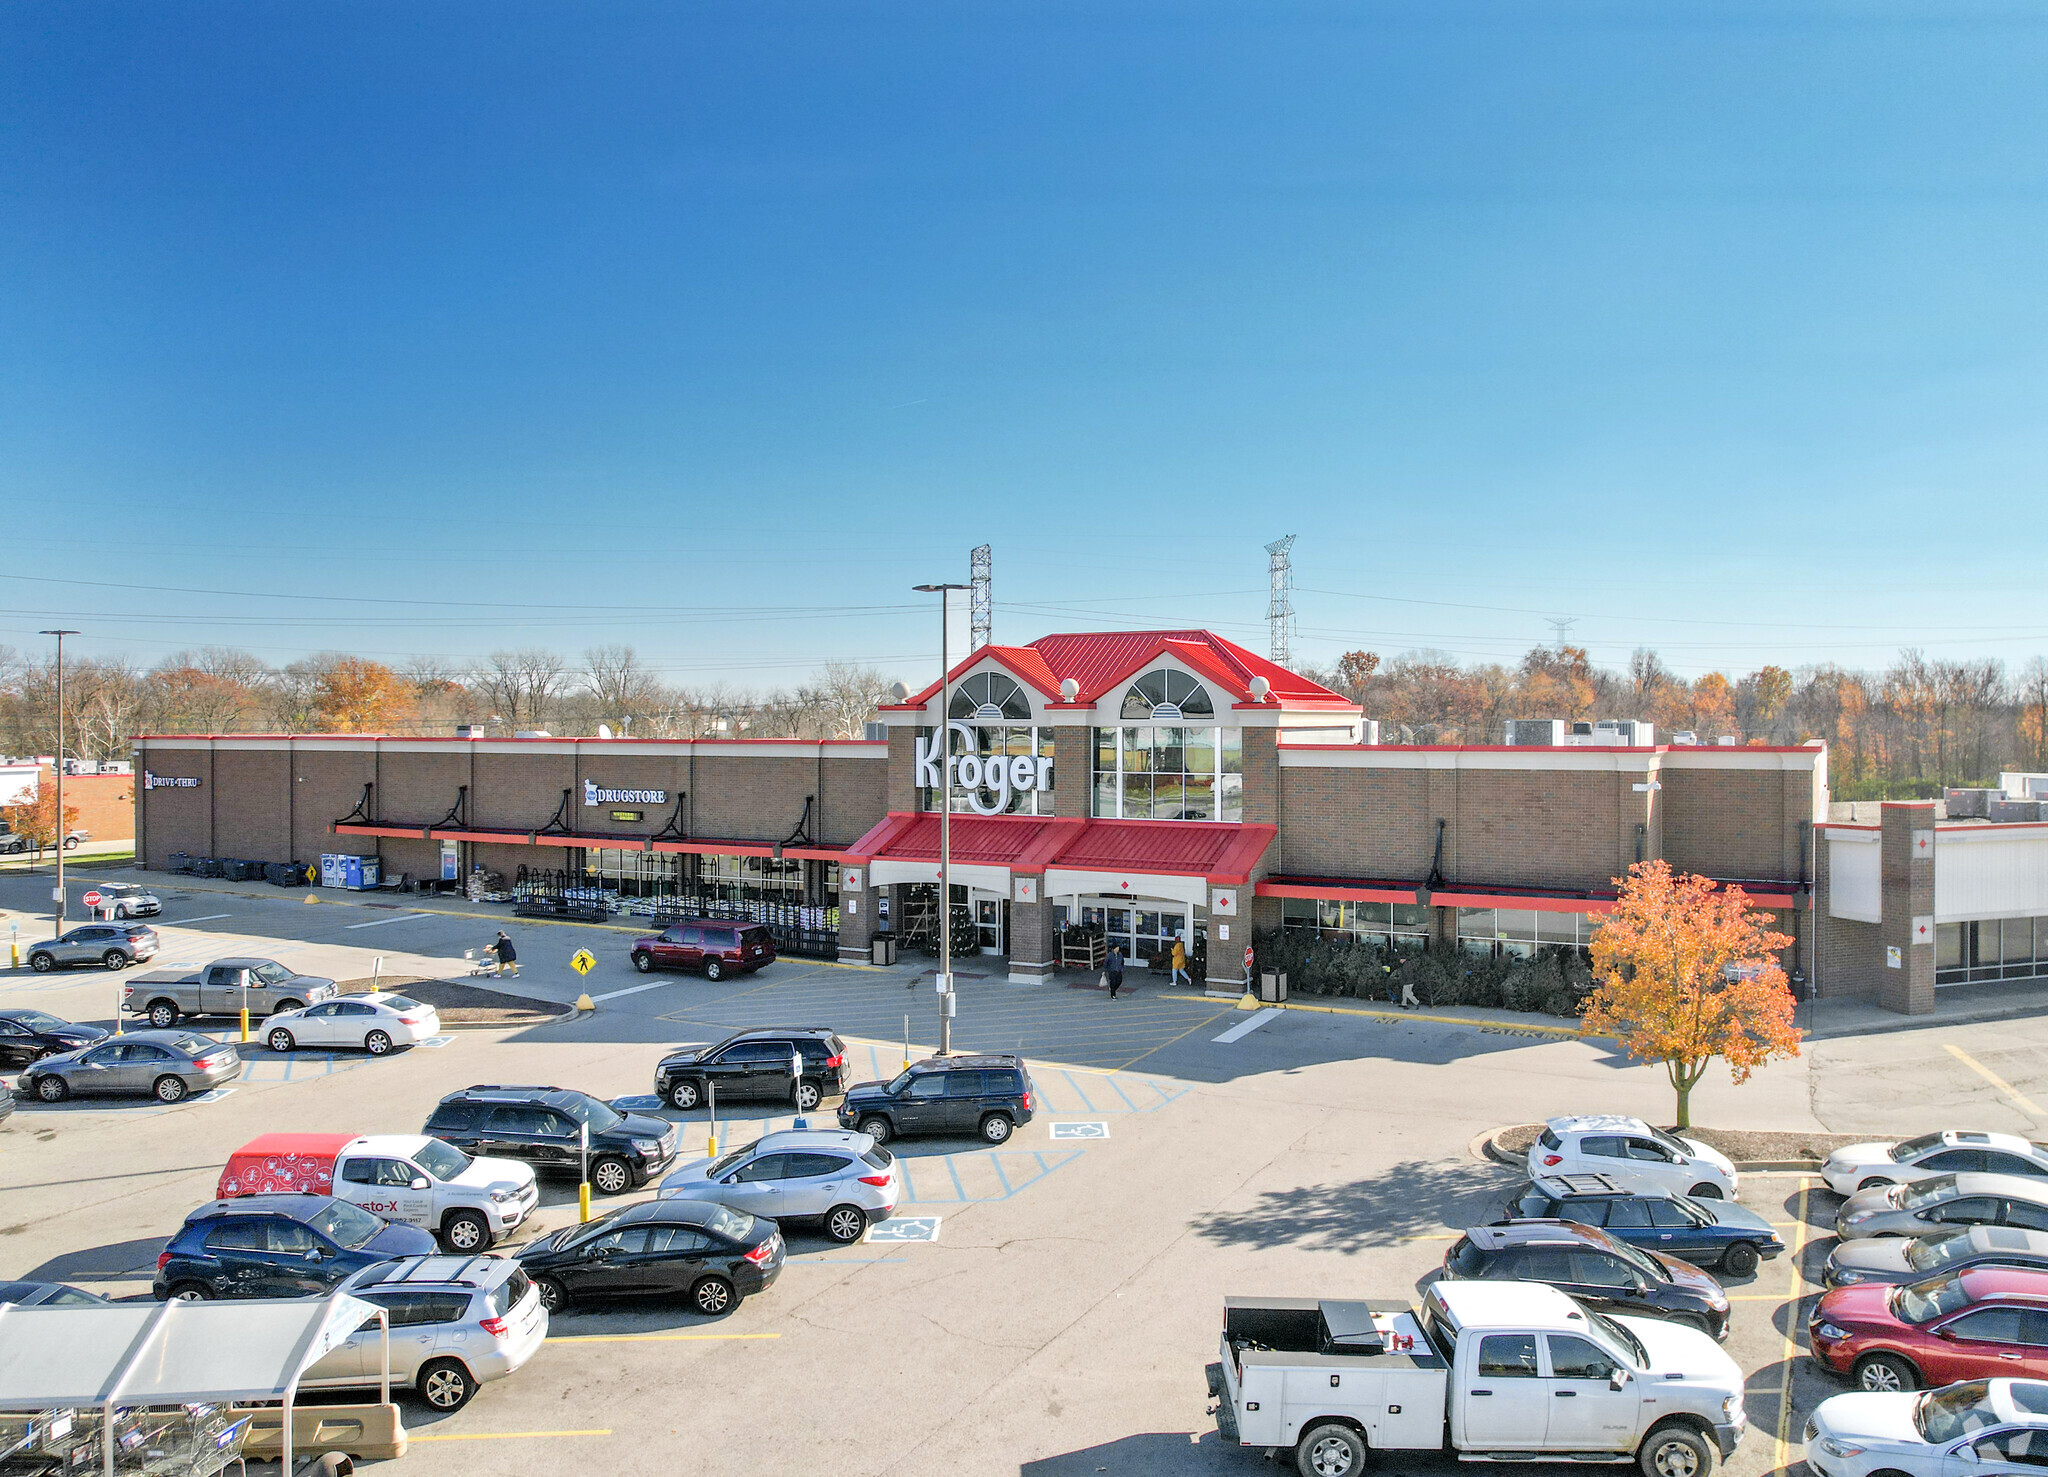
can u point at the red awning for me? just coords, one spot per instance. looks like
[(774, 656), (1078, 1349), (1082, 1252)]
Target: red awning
[(1600, 900), (1222, 852), (709, 846)]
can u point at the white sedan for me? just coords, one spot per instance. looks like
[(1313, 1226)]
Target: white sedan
[(1977, 1427), (375, 1022), (1857, 1166)]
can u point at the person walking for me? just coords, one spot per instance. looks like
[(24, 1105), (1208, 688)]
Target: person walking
[(1180, 960), (1116, 969), (508, 957)]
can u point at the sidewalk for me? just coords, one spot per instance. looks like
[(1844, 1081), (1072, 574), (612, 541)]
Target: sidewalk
[(1958, 1005)]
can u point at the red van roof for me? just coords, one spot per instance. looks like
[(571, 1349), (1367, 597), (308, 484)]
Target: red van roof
[(308, 1145), (283, 1162)]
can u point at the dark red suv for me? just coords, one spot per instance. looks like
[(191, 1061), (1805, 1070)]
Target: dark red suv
[(717, 946)]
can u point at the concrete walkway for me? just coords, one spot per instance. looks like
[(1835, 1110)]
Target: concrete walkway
[(1958, 1005)]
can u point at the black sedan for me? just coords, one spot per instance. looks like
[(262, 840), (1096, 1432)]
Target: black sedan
[(30, 1035), (48, 1295), (708, 1253)]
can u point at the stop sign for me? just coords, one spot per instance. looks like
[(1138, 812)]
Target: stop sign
[(91, 899)]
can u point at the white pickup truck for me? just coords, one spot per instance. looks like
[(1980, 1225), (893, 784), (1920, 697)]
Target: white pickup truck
[(469, 1203), (1494, 1371)]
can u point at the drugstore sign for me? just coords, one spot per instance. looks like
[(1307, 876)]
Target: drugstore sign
[(593, 794), (995, 779)]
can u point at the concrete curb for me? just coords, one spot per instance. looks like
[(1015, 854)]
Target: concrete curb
[(1486, 1147)]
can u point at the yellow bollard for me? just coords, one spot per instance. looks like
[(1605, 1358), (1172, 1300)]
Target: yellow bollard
[(585, 1004), (245, 1025), (312, 897), (583, 1201)]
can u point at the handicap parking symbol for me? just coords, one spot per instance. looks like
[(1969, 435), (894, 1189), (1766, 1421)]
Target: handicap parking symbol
[(1080, 1130), (906, 1228)]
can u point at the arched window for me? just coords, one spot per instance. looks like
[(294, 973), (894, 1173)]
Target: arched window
[(1166, 696), (990, 697)]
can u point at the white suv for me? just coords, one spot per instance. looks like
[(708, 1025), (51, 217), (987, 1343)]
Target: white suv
[(1605, 1143)]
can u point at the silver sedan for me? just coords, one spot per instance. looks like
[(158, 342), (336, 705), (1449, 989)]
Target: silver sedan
[(166, 1065)]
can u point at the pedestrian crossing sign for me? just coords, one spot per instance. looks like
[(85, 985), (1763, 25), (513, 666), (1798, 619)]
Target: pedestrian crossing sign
[(583, 961)]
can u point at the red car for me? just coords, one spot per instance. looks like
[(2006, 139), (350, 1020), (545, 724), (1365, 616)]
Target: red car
[(717, 946), (1976, 1324)]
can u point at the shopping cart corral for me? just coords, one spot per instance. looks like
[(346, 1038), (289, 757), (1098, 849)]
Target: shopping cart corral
[(179, 1389)]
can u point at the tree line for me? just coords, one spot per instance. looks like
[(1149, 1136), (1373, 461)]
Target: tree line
[(1918, 725), (213, 689)]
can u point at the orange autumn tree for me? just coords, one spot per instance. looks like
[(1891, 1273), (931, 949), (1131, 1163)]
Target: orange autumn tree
[(1686, 971), (358, 696), (36, 820)]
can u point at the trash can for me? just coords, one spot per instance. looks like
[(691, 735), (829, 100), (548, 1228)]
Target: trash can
[(883, 949), (1272, 988)]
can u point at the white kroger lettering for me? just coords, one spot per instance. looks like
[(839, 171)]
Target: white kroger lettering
[(592, 795), (999, 774)]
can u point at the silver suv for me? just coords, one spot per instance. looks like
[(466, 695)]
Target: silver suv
[(129, 900), (111, 945), (840, 1179), (456, 1322)]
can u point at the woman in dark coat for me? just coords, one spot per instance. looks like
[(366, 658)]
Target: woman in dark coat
[(507, 958)]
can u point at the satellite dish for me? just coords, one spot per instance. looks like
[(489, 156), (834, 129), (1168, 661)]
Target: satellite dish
[(604, 730), (1069, 689)]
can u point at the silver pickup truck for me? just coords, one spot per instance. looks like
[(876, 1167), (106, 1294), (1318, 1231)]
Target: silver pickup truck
[(223, 988)]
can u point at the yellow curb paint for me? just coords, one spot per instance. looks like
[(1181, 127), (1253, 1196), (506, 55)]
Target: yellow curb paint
[(1994, 1079), (501, 1435), (1567, 1033), (661, 1338), (1791, 1349)]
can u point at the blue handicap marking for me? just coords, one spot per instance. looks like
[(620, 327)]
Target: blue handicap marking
[(1080, 1130), (906, 1228), (977, 1178), (1066, 1090), (434, 1042), (211, 1095)]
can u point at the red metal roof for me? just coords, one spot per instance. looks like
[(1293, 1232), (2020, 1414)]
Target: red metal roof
[(1099, 661), (1221, 851)]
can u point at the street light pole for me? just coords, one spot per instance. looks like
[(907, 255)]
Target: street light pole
[(58, 895), (944, 735)]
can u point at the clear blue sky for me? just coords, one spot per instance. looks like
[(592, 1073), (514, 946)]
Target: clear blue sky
[(1723, 329)]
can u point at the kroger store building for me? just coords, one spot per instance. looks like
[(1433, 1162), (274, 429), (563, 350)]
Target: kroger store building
[(1144, 783)]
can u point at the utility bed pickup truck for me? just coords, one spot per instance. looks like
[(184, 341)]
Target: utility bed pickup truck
[(469, 1203), (1494, 1371), (222, 988)]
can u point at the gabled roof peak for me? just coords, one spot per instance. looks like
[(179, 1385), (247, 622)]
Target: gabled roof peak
[(1101, 661)]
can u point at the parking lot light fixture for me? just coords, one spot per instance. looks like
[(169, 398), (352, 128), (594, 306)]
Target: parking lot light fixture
[(58, 895), (944, 735)]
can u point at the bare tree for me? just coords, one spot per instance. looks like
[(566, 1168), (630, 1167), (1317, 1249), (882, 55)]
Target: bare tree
[(847, 696), (619, 686), (522, 686), (294, 694)]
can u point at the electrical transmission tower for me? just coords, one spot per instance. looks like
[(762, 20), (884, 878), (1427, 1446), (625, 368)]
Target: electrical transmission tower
[(1279, 605), (981, 603), (1562, 624)]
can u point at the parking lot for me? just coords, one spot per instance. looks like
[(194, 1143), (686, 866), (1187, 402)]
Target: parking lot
[(1045, 1307)]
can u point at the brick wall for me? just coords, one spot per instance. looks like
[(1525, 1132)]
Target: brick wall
[(105, 803)]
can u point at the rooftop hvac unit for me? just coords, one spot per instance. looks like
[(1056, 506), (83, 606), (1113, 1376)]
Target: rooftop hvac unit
[(1369, 730), (2011, 810), (2021, 785), (1685, 738), (1962, 803), (1535, 732), (1626, 733), (1725, 741)]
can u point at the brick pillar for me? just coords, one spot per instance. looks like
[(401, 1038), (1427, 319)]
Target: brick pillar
[(1034, 952), (902, 788), (1906, 907), (1073, 769), (856, 919)]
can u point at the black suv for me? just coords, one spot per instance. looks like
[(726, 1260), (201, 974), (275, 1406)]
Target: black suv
[(988, 1095), (277, 1246), (756, 1064), (539, 1126), (1593, 1267)]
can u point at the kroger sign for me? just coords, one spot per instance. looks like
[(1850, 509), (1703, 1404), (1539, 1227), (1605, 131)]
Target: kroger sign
[(998, 775)]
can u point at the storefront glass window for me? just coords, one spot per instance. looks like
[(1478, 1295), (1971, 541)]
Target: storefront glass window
[(1172, 773), (1521, 933), (1017, 741), (1390, 925), (1990, 949)]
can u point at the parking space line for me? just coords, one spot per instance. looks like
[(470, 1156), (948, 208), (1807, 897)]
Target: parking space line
[(1791, 1349), (1245, 1027), (501, 1435), (187, 922), (630, 989), (658, 1338), (1994, 1079), (380, 922)]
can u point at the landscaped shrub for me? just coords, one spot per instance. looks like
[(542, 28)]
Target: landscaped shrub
[(1554, 983)]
